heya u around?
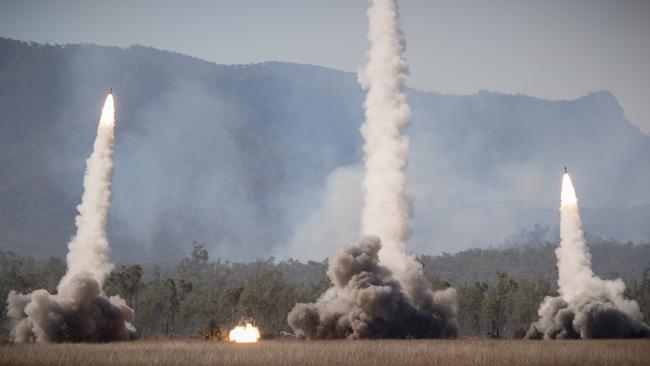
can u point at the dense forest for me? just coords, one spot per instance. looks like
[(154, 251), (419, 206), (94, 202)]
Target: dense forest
[(499, 289)]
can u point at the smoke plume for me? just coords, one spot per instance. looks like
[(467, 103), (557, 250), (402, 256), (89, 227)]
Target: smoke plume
[(588, 306), (379, 290), (80, 311), (368, 302)]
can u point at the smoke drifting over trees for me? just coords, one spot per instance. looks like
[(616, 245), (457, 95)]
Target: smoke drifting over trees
[(379, 290), (588, 307), (80, 311)]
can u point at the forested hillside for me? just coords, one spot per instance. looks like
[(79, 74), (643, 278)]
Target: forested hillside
[(609, 260)]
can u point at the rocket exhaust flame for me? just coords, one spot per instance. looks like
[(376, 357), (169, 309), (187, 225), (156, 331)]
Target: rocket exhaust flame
[(108, 112), (379, 290), (568, 195), (245, 333), (80, 311), (588, 306)]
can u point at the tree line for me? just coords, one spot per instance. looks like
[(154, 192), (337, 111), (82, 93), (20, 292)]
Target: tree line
[(182, 299)]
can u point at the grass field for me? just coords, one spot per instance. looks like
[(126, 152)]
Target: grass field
[(376, 353)]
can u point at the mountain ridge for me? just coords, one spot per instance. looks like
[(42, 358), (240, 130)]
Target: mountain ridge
[(250, 159)]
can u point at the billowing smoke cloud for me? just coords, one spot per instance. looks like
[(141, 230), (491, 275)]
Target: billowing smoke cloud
[(79, 311), (379, 290), (368, 302), (588, 306)]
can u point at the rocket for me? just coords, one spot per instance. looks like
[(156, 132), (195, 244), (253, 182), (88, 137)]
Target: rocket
[(565, 170)]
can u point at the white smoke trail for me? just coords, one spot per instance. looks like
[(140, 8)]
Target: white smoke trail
[(573, 258), (80, 311), (379, 290), (88, 249), (588, 306), (387, 207)]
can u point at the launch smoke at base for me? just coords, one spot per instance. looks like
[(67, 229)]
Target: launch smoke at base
[(366, 301)]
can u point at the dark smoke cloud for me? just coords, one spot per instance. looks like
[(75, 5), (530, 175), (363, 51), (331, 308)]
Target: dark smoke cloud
[(82, 315), (366, 301), (587, 317)]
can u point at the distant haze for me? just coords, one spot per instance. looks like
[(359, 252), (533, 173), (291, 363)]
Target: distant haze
[(548, 49)]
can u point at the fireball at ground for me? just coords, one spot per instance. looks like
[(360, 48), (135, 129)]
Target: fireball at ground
[(245, 333)]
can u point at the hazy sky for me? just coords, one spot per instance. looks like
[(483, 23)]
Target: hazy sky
[(552, 49)]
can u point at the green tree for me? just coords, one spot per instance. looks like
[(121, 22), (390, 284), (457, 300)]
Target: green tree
[(496, 303), (644, 294), (50, 273), (525, 303), (470, 300), (267, 298), (126, 282), (231, 298), (199, 253)]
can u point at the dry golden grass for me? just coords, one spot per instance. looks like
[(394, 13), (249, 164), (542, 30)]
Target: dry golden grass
[(376, 353)]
